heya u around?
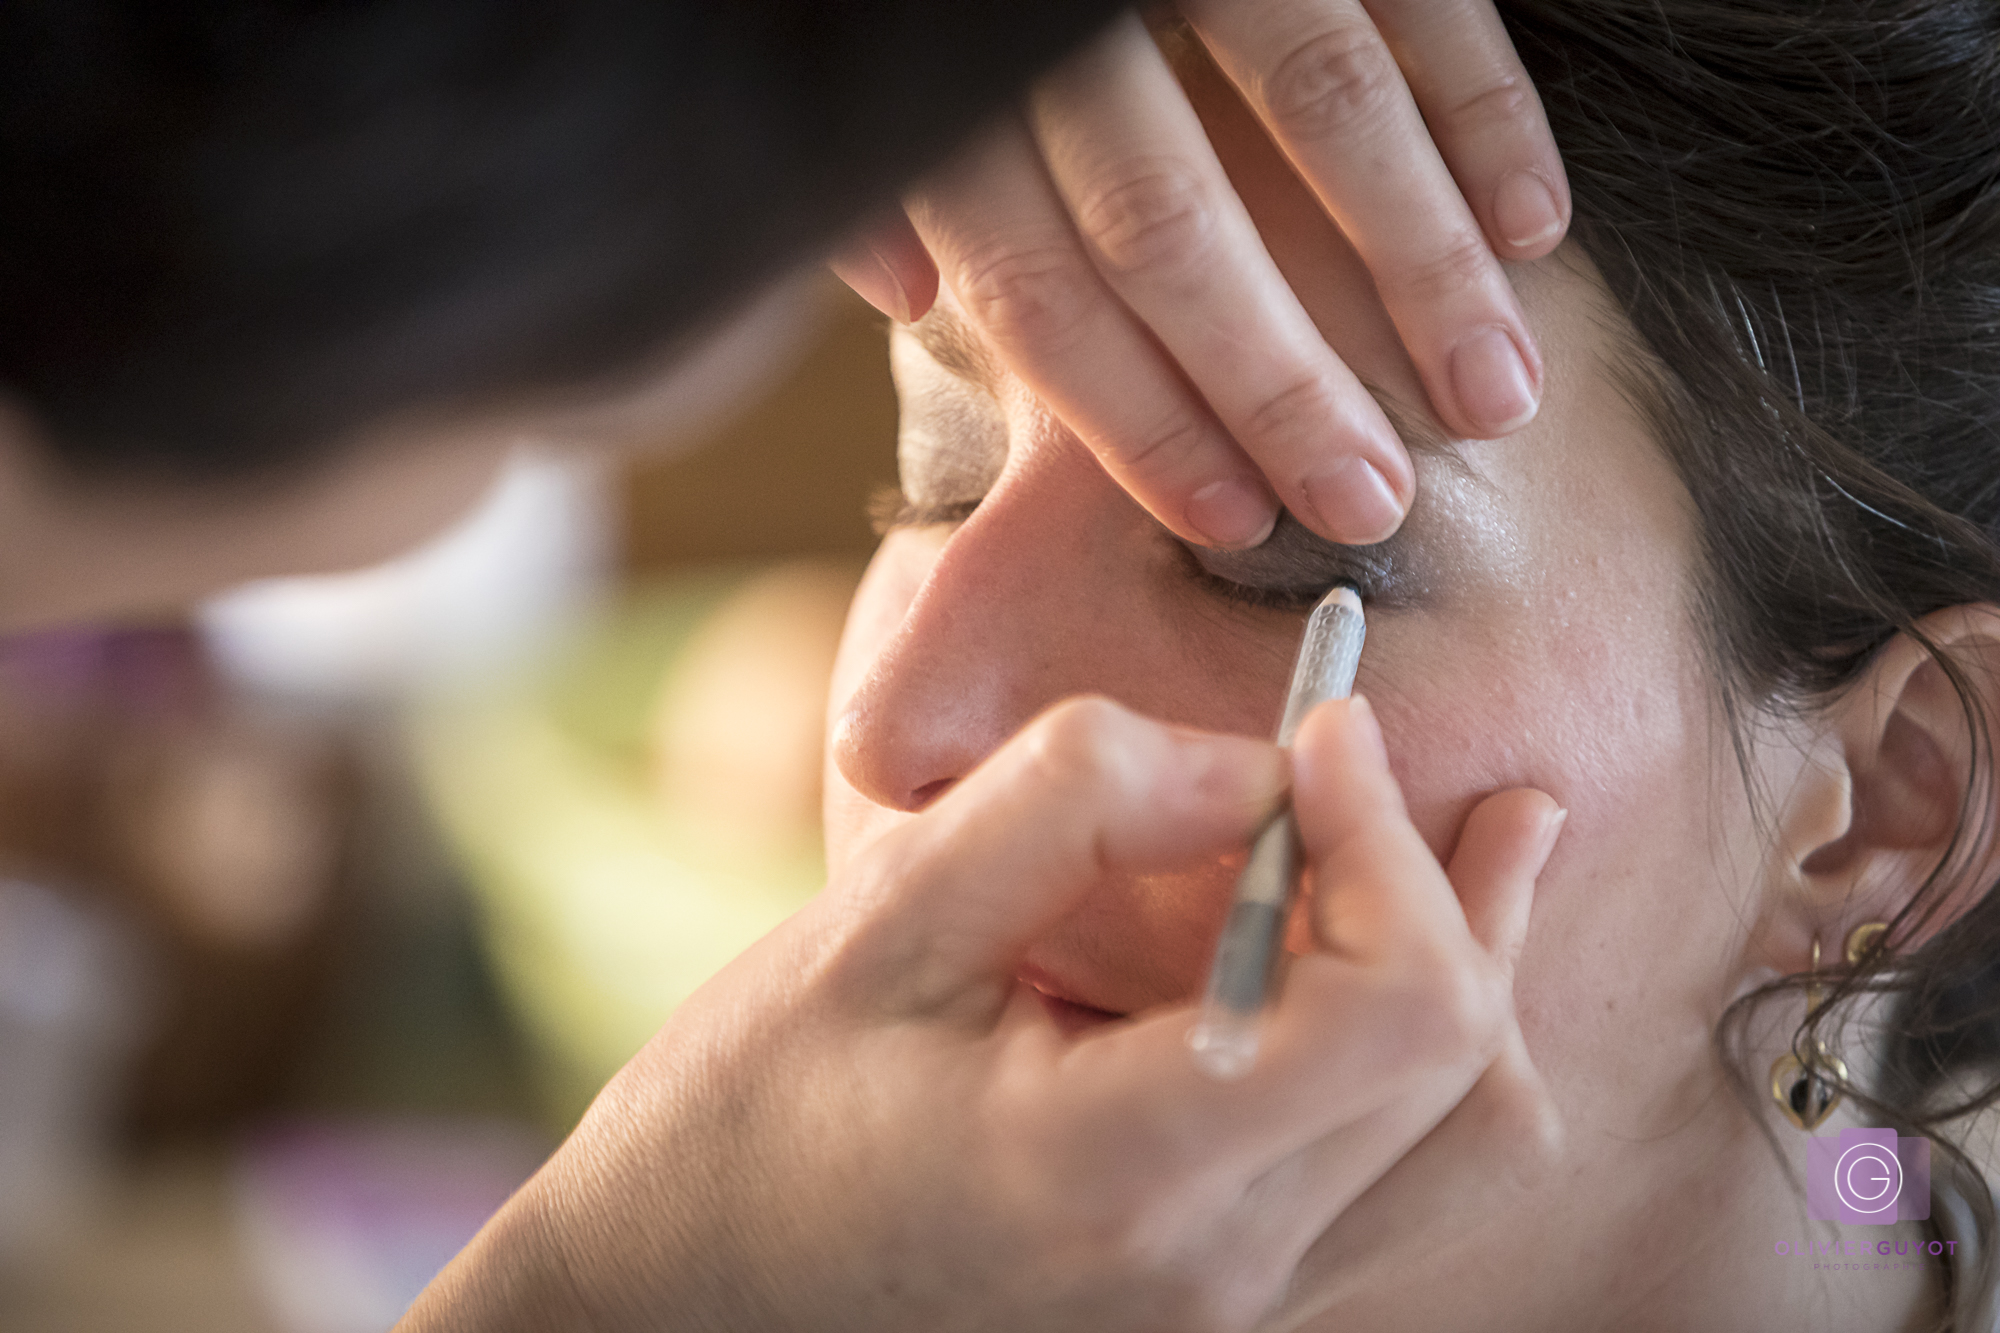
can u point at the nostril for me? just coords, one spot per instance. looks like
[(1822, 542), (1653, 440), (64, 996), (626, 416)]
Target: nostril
[(930, 791)]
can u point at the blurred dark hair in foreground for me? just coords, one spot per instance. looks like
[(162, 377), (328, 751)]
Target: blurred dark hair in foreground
[(233, 233)]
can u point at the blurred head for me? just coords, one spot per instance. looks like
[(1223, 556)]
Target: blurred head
[(1727, 599), (284, 280), (80, 543)]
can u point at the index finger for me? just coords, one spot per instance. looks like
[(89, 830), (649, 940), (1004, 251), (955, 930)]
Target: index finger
[(1088, 789), (1323, 77), (1485, 117), (1166, 228)]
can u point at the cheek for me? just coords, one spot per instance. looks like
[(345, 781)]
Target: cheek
[(1597, 718), (1613, 719)]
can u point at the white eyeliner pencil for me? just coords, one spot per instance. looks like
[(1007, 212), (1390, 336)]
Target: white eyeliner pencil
[(1243, 977)]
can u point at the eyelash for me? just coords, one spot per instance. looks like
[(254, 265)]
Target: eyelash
[(1293, 600), (889, 510)]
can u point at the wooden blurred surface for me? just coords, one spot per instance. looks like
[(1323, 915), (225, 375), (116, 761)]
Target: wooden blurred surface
[(791, 476), (158, 1255)]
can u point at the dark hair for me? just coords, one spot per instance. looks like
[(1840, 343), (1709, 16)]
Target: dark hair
[(1798, 208), (232, 233)]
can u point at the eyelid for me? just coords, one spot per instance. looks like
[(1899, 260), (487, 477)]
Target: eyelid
[(1294, 555), (890, 510), (1244, 594), (1295, 567)]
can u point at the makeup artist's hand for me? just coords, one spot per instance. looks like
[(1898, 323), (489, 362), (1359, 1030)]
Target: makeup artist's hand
[(865, 1122), (1097, 243)]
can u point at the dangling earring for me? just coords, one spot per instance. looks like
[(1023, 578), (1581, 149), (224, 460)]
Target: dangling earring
[(1862, 938), (1799, 1088)]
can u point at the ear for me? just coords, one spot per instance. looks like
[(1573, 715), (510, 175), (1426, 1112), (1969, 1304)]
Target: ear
[(1892, 790)]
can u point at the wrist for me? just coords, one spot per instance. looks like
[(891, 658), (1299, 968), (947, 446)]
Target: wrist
[(512, 1278)]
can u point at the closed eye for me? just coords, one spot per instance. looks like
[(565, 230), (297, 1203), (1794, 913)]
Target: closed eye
[(1295, 567), (890, 510)]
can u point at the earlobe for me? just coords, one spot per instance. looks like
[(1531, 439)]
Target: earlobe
[(1899, 784)]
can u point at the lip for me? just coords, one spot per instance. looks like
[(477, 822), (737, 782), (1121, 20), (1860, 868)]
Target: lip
[(1070, 1014)]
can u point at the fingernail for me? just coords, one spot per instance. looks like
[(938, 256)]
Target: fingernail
[(1231, 514), (1525, 211), (1353, 503), (1368, 728), (1492, 382), (898, 297), (1553, 829)]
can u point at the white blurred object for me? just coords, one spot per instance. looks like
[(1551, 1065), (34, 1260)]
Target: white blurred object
[(480, 596), (69, 1004)]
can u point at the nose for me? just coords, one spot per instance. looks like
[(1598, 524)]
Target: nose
[(1041, 594)]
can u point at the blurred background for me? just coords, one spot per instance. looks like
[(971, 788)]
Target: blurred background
[(326, 909)]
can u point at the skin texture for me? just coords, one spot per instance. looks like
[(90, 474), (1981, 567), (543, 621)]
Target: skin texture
[(1530, 626)]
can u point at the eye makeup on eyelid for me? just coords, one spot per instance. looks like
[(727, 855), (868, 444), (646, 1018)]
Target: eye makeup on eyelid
[(1295, 567), (952, 445)]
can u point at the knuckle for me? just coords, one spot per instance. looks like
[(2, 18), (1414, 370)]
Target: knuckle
[(1224, 1304), (1461, 265), (1037, 295), (1205, 1308), (1296, 414), (1078, 745), (1179, 1296), (1340, 79), (1508, 100), (1159, 450), (1157, 217)]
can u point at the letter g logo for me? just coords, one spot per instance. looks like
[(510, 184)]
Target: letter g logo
[(1868, 1177)]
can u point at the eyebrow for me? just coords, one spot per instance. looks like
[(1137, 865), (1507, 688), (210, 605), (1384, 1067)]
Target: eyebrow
[(954, 344), (959, 348), (1292, 554), (1419, 436)]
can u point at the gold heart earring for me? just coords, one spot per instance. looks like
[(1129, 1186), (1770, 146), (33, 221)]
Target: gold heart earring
[(1862, 939), (1799, 1086)]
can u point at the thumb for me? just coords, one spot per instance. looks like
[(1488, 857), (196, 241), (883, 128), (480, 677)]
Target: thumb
[(950, 901), (1501, 850)]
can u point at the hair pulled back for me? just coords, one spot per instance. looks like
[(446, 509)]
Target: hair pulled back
[(1798, 208)]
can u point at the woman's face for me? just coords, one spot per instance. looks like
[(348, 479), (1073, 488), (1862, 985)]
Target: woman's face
[(1529, 626)]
